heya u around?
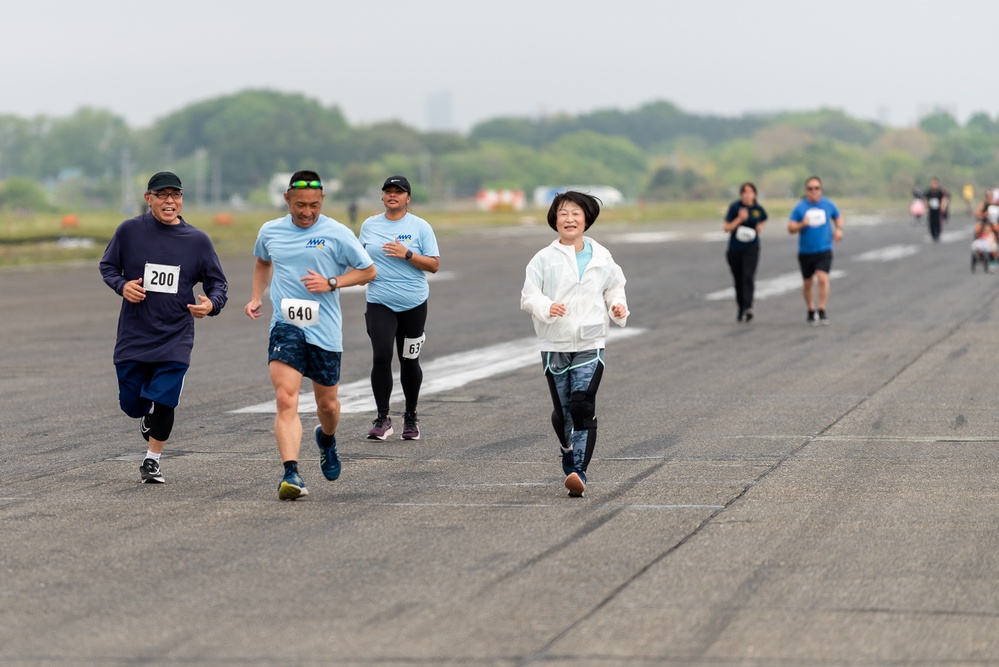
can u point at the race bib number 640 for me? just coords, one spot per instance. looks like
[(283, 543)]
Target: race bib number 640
[(300, 312)]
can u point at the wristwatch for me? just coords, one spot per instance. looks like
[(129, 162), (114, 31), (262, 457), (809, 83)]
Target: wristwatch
[(332, 282), (409, 254)]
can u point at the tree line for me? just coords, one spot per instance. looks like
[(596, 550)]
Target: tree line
[(230, 146)]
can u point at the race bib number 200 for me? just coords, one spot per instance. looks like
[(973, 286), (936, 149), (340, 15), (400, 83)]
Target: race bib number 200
[(161, 278), (300, 312)]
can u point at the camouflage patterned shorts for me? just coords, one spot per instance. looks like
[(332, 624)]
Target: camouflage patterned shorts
[(287, 345)]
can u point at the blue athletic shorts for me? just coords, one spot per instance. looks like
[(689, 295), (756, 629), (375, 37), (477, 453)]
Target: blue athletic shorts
[(141, 383), (287, 345)]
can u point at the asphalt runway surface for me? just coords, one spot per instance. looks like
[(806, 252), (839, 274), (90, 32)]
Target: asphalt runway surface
[(762, 494)]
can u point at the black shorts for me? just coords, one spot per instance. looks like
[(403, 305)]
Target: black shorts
[(812, 262)]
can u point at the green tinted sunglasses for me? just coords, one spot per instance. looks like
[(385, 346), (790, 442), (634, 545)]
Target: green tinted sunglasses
[(301, 185)]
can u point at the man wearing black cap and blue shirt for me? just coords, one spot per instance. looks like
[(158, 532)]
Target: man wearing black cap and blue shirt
[(153, 262)]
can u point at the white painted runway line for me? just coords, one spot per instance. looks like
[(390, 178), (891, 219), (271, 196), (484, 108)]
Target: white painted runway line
[(604, 507), (714, 237), (768, 287), (439, 375), (955, 236), (887, 254), (645, 237)]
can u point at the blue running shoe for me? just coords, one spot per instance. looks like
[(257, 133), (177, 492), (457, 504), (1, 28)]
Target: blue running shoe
[(568, 461), (576, 483), (329, 461), (292, 487)]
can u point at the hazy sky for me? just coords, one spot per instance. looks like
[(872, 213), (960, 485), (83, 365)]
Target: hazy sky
[(387, 59)]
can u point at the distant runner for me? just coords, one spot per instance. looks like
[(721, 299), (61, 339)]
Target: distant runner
[(818, 224), (937, 203), (744, 222)]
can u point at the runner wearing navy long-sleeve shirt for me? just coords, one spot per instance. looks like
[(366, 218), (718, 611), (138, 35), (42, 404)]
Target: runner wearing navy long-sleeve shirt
[(154, 261)]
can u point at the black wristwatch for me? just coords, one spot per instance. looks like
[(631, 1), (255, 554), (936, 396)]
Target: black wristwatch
[(332, 282), (409, 254)]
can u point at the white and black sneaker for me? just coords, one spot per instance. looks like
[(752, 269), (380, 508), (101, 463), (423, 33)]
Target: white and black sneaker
[(150, 472), (143, 429)]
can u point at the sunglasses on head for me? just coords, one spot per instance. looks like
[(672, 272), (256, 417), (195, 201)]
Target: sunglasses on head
[(301, 185)]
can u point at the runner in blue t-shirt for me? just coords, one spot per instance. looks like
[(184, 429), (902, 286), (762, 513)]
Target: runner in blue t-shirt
[(404, 248), (304, 258), (818, 224)]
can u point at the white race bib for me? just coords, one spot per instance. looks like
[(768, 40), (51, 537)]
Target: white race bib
[(161, 278), (745, 234), (300, 312), (815, 217), (934, 203), (993, 213), (411, 346)]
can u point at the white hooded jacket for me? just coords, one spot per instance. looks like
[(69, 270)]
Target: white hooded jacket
[(553, 277)]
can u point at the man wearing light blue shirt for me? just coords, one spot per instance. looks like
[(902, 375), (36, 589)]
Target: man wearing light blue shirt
[(304, 258)]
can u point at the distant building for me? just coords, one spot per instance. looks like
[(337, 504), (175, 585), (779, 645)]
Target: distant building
[(608, 195), (276, 189), (439, 112), (500, 200)]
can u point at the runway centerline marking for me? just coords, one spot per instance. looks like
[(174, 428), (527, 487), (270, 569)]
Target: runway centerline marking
[(768, 287), (439, 375), (887, 254)]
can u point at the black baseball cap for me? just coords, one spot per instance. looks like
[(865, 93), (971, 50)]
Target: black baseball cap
[(399, 182), (164, 179)]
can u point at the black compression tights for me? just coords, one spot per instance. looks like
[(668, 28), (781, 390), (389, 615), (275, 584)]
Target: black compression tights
[(386, 327)]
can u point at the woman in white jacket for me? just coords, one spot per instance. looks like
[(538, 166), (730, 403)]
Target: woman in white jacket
[(573, 290)]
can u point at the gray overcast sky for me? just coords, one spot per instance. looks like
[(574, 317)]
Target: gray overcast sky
[(385, 59)]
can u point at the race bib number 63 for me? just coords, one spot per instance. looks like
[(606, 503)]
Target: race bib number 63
[(411, 346)]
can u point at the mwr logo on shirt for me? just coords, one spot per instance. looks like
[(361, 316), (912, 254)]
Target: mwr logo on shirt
[(402, 238), (316, 243)]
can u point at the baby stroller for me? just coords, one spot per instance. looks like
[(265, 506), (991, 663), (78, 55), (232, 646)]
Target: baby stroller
[(916, 209)]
